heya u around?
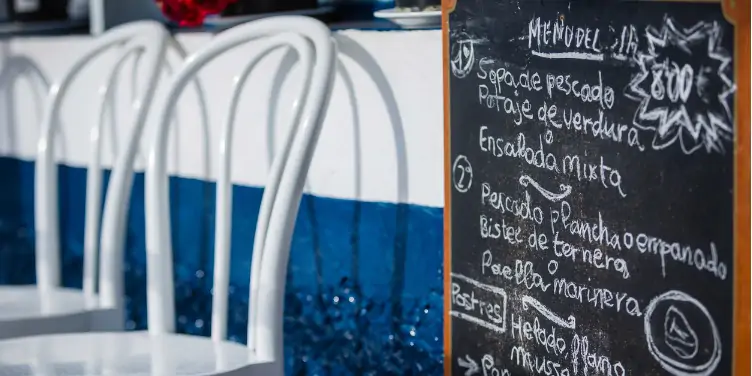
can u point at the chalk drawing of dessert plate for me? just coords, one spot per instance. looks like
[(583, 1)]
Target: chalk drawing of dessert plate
[(679, 335), (410, 19), (682, 335)]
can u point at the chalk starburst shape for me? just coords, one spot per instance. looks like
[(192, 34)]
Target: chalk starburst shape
[(684, 88)]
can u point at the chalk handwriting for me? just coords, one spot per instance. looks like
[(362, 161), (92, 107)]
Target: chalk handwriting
[(490, 369), (462, 174), (574, 166), (555, 132), (488, 314), (509, 79), (554, 39), (594, 233), (548, 33), (594, 257), (524, 330), (565, 84), (608, 176), (601, 127), (599, 297), (530, 301), (626, 44), (504, 203), (565, 189), (600, 234), (584, 360), (490, 228), (505, 88), (509, 76), (683, 254), (537, 364), (520, 110), (523, 273), (666, 87)]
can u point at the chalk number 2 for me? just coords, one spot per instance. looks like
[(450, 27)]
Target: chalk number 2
[(462, 174)]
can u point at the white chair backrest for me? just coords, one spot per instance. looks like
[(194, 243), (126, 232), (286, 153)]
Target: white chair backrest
[(313, 42), (224, 181), (147, 38), (93, 201)]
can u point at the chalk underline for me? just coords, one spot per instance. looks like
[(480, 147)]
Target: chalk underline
[(477, 321), (569, 55)]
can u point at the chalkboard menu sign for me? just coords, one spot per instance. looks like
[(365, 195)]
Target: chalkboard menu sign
[(597, 188)]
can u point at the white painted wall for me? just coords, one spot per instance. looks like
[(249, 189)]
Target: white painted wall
[(382, 137)]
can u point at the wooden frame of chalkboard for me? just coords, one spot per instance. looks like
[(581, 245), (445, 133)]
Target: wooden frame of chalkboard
[(737, 14)]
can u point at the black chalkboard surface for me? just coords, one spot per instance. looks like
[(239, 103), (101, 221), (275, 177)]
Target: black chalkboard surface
[(591, 201)]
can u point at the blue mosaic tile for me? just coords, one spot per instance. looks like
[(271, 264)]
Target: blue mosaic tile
[(364, 290)]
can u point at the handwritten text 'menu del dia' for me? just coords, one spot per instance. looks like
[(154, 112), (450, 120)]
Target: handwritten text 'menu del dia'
[(578, 42), (585, 40), (536, 155), (599, 233)]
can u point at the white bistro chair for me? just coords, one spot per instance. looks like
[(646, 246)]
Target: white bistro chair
[(47, 307), (160, 351)]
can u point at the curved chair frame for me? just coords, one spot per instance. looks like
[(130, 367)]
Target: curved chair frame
[(158, 351), (151, 36), (279, 208), (224, 181), (48, 308)]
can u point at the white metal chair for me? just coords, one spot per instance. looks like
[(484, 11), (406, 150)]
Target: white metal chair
[(159, 351), (46, 307)]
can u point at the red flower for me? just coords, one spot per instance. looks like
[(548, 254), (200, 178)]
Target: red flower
[(191, 12)]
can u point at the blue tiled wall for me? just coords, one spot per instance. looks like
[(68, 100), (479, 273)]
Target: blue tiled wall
[(364, 292)]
